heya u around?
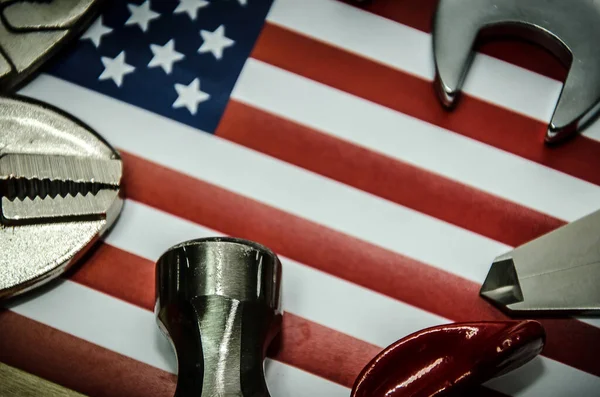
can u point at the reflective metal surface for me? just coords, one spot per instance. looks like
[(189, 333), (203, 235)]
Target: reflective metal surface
[(59, 192), (33, 31), (47, 187), (218, 301), (567, 28), (450, 360), (558, 272)]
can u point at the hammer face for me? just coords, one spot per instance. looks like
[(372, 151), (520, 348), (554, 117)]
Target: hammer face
[(562, 27), (218, 300)]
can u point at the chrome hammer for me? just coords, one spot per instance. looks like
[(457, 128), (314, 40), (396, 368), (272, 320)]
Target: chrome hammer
[(218, 301)]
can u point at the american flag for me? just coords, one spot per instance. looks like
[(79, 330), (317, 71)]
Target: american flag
[(311, 127)]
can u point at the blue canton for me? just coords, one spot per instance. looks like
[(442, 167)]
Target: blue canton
[(201, 46)]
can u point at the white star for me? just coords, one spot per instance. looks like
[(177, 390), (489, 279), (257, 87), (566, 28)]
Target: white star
[(96, 31), (142, 15), (215, 42), (191, 7), (165, 56), (242, 2), (115, 69), (190, 96)]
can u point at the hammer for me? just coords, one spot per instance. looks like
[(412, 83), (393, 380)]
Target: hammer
[(218, 302)]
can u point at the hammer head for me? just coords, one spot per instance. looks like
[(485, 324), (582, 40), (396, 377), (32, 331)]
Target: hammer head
[(218, 301), (565, 28)]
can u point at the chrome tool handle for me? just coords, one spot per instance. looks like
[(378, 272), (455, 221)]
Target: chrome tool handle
[(218, 300)]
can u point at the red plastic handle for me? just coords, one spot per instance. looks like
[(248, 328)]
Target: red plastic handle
[(450, 360)]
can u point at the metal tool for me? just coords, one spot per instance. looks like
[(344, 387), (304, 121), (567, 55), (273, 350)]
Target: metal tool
[(33, 31), (17, 383), (218, 301), (566, 28), (59, 192), (558, 272), (450, 360)]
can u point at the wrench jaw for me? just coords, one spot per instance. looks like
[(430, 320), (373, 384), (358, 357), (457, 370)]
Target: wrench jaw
[(39, 188), (578, 105), (59, 209), (459, 24), (452, 50), (447, 87)]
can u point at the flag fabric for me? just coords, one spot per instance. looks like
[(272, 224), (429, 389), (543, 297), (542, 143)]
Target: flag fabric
[(311, 127)]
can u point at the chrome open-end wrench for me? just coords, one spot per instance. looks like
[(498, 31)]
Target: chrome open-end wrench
[(568, 29)]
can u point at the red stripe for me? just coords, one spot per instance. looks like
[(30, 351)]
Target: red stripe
[(570, 341), (76, 364), (419, 14), (302, 343), (383, 176), (414, 96)]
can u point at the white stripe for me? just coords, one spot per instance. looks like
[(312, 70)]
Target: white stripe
[(285, 380), (274, 182), (557, 380), (595, 321), (410, 50), (593, 131), (414, 141), (308, 293), (131, 331)]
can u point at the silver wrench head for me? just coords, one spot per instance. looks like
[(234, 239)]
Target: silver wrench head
[(565, 28), (59, 193), (31, 32)]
